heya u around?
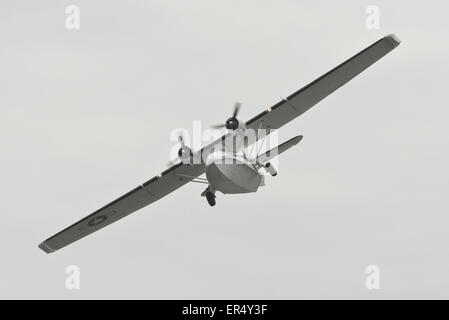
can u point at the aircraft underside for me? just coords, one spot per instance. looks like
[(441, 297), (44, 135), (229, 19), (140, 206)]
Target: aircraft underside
[(231, 175), (241, 175)]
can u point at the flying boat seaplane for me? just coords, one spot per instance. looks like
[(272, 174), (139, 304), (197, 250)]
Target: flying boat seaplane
[(226, 166)]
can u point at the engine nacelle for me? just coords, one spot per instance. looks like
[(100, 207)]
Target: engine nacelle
[(232, 124), (185, 155), (270, 169)]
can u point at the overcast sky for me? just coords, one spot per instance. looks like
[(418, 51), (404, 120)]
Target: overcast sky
[(87, 115)]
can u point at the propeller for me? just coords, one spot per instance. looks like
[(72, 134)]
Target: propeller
[(232, 123), (181, 139), (237, 106), (184, 152)]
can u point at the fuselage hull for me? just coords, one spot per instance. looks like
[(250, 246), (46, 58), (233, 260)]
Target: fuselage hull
[(231, 174)]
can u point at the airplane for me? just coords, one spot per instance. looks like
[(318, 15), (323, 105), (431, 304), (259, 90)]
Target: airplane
[(227, 170)]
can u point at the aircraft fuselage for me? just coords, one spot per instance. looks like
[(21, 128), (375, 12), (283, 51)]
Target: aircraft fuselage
[(230, 173)]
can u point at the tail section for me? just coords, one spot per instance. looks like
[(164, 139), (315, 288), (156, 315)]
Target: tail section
[(270, 154)]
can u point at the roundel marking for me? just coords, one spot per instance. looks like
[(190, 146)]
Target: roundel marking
[(97, 220)]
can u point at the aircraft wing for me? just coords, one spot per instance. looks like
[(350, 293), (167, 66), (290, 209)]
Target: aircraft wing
[(180, 174), (141, 196), (305, 98)]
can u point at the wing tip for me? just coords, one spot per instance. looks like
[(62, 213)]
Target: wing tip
[(393, 39), (45, 247), (298, 138)]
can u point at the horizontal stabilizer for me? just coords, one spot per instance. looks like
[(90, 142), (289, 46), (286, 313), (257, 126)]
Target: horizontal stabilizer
[(270, 154)]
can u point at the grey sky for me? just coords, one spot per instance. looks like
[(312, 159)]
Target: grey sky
[(87, 114)]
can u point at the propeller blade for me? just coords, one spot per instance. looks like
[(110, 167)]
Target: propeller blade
[(218, 126), (234, 116), (181, 139), (236, 109)]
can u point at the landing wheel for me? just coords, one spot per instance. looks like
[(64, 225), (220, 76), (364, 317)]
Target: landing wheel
[(210, 196)]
